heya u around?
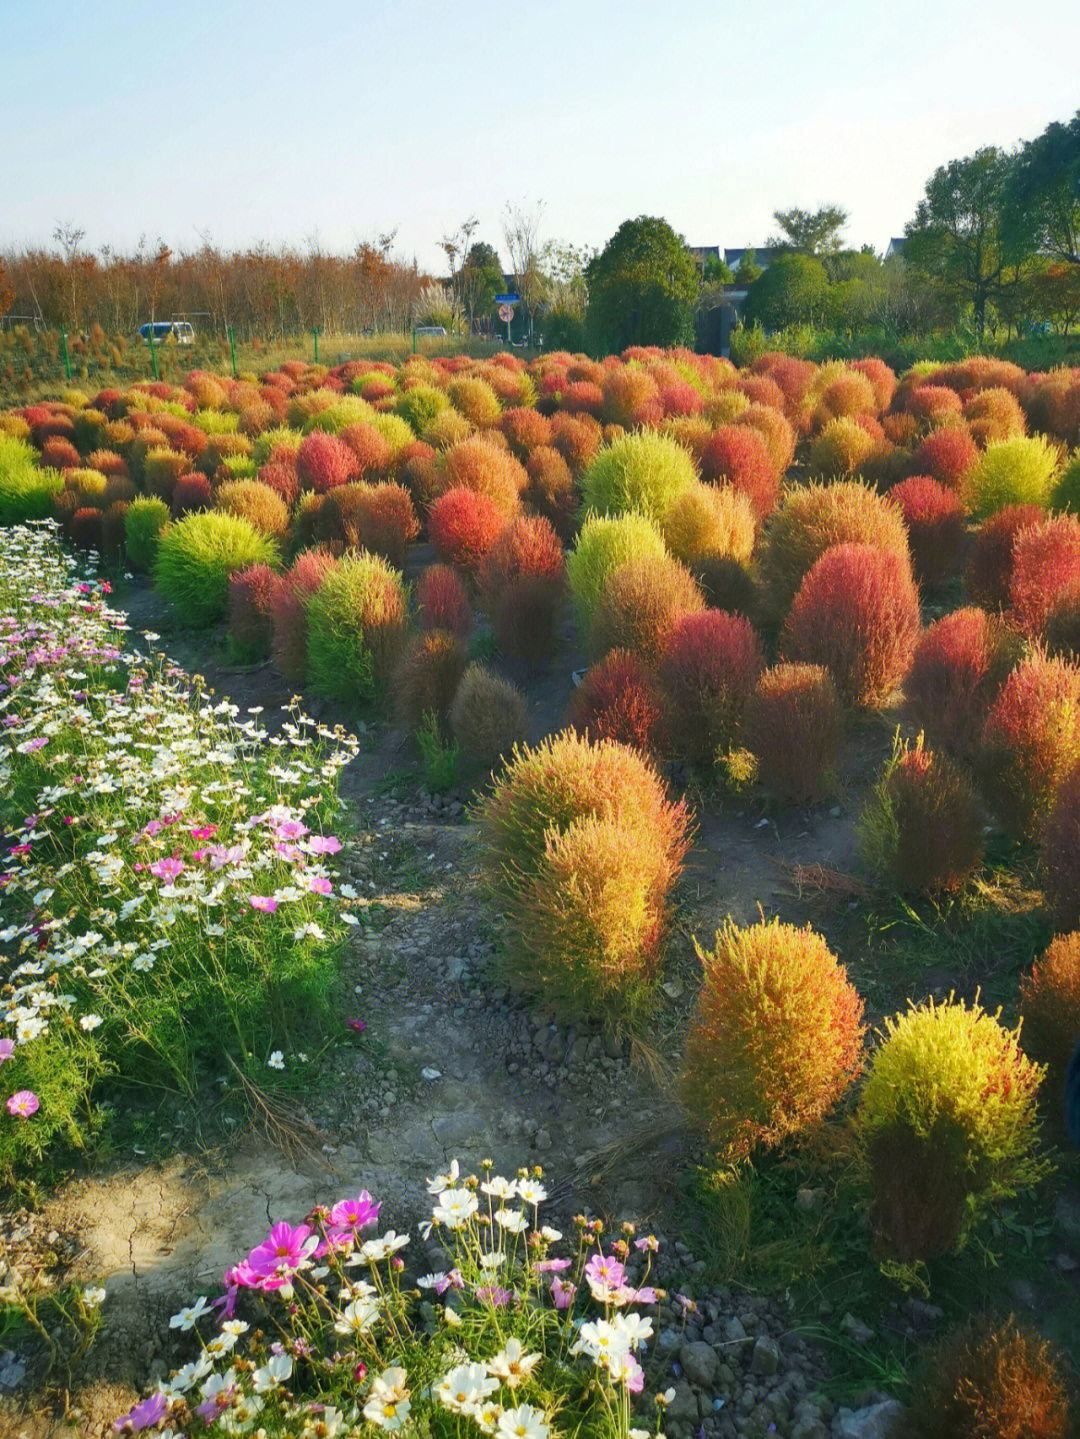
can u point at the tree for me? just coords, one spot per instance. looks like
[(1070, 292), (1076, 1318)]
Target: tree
[(811, 232), (792, 291), (1045, 188), (456, 249), (749, 269), (480, 279), (70, 237), (521, 230), (642, 287), (716, 272), (964, 233), (1055, 294)]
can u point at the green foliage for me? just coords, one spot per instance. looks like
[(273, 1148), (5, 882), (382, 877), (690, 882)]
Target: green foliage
[(440, 759), (642, 288), (356, 628), (642, 472), (602, 546), (1066, 493), (144, 522), (26, 491), (812, 232), (419, 406), (792, 291), (946, 1127), (1017, 471), (197, 555), (1045, 185)]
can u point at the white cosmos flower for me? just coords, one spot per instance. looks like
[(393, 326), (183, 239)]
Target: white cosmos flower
[(187, 1318), (633, 1327), (512, 1365), (93, 1296), (492, 1261), (277, 1369), (500, 1188), (524, 1422), (357, 1317), (440, 1181), (531, 1191), (90, 1022), (465, 1387), (551, 1235), (512, 1220), (455, 1208), (389, 1243)]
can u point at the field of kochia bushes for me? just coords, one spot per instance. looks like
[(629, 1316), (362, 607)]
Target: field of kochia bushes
[(749, 560)]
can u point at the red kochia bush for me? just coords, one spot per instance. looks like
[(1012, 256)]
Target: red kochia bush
[(1050, 995), (934, 404), (935, 524), (1060, 864), (954, 678), (857, 613), (620, 699), (1045, 572), (794, 727), (325, 461), (946, 455), (427, 678), (988, 577), (525, 429), (582, 397), (60, 454), (250, 595), (551, 489), (709, 663), (463, 525), (191, 492), (288, 613), (880, 376), (739, 456), (577, 439), (86, 529), (373, 454), (282, 479), (1031, 740), (762, 390), (523, 581), (443, 602)]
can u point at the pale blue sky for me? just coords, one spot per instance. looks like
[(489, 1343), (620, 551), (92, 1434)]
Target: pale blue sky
[(283, 121)]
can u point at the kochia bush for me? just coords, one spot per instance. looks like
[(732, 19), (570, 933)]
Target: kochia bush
[(325, 461), (946, 455), (488, 718), (988, 577), (196, 556), (1050, 1005), (288, 611), (356, 628), (1059, 853), (143, 523), (922, 827), (581, 846), (1030, 741), (738, 456), (463, 525), (1017, 471), (707, 522), (643, 472), (946, 1127), (794, 727), (602, 545), (959, 665), (427, 678), (442, 602), (935, 523), (638, 605), (856, 613), (776, 1037), (620, 699), (709, 663), (1045, 572)]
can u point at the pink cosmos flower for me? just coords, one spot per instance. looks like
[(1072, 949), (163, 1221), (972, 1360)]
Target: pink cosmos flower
[(355, 1213), (221, 855), (168, 869), (292, 852), (551, 1266), (649, 1242), (7, 1049), (146, 1414), (284, 1248), (356, 1025), (496, 1297), (324, 844), (23, 1103), (562, 1295), (319, 885), (152, 827), (602, 1269), (453, 1280), (647, 1295), (204, 831), (290, 829), (265, 903)]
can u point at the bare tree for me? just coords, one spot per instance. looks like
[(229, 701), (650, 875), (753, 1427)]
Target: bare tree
[(69, 237), (521, 229), (456, 249)]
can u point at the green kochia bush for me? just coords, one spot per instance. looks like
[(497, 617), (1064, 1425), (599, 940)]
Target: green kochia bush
[(144, 521), (602, 546), (356, 628), (197, 555), (1017, 471), (641, 472), (26, 490)]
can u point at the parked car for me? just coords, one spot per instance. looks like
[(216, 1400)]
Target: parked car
[(163, 330)]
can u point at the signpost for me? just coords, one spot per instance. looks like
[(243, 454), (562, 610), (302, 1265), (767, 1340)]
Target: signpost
[(506, 305)]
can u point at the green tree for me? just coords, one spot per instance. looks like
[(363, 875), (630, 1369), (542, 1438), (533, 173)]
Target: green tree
[(479, 281), (749, 269), (792, 291), (716, 272), (1045, 189), (965, 234), (642, 287), (811, 232)]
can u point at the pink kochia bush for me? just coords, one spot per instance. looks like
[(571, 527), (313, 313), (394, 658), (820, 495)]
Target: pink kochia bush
[(856, 613), (709, 663), (544, 1334)]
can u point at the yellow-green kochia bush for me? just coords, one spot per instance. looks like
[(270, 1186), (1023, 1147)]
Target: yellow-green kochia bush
[(197, 555), (26, 491), (642, 472), (946, 1127), (356, 628), (604, 544)]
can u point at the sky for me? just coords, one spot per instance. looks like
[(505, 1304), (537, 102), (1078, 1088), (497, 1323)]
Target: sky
[(330, 123)]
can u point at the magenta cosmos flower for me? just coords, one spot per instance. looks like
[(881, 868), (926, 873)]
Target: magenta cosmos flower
[(7, 1049), (323, 844), (147, 1413), (321, 886), (355, 1213), (23, 1104), (284, 1248), (167, 869), (265, 903), (290, 829)]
